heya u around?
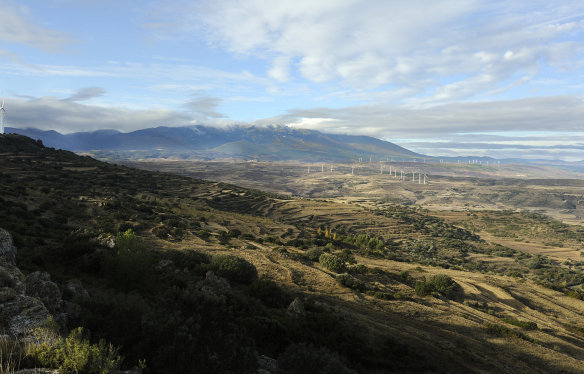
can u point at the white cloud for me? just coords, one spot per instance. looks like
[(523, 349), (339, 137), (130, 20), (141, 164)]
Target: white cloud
[(407, 45), (547, 114), (204, 106), (17, 27)]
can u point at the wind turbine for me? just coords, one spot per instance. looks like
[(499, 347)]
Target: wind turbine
[(2, 114)]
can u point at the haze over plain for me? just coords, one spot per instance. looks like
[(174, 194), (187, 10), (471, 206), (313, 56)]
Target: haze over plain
[(489, 78)]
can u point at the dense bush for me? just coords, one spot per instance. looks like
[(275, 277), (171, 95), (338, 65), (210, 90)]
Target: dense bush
[(350, 281), (303, 359), (441, 283), (332, 263), (502, 330), (233, 233), (129, 264), (347, 256), (525, 325), (269, 294), (190, 331), (234, 268), (74, 354), (161, 233), (313, 254)]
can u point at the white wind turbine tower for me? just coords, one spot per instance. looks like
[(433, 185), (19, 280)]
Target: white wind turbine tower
[(2, 114)]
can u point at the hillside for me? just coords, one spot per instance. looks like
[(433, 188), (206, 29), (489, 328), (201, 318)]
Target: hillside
[(269, 143), (506, 311)]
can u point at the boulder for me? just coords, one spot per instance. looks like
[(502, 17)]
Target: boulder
[(11, 278), (213, 283), (105, 240), (165, 265), (38, 284), (23, 314), (267, 365), (75, 288), (296, 310)]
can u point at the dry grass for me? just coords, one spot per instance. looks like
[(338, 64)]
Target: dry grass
[(15, 350)]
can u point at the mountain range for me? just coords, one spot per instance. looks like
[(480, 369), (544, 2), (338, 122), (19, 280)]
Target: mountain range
[(245, 143), (269, 143)]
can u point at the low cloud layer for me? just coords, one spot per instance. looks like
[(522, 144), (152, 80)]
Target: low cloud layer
[(478, 128), (65, 116)]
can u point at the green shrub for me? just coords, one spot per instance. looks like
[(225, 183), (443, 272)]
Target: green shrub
[(76, 355), (332, 263), (573, 294), (502, 330), (234, 268), (524, 325), (350, 281), (423, 289), (233, 233), (203, 234), (161, 233), (442, 283), (280, 250), (360, 269), (347, 256), (313, 254)]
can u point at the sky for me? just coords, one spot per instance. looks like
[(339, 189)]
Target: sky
[(440, 77)]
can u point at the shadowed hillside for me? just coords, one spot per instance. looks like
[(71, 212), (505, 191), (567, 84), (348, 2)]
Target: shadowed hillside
[(336, 287)]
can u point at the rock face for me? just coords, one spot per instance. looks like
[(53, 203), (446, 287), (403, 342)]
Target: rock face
[(26, 302), (7, 248), (20, 313), (296, 310), (39, 285)]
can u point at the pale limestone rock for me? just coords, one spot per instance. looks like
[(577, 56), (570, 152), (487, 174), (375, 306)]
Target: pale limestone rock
[(296, 310)]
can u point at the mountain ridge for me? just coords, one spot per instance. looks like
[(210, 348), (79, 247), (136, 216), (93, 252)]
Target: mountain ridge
[(275, 142)]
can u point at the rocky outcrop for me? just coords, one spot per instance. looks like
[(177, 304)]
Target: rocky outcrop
[(213, 283), (267, 365), (27, 302), (38, 284), (296, 309), (7, 248)]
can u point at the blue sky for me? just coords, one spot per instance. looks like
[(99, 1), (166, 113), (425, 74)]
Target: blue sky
[(464, 77)]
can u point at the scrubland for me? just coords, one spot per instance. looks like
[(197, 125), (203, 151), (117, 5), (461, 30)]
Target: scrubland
[(394, 276)]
